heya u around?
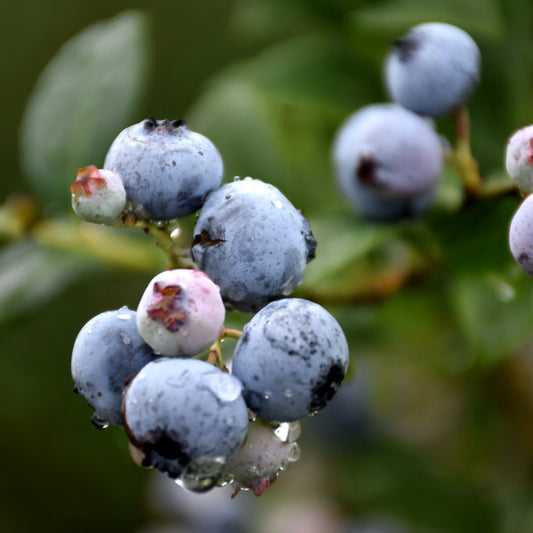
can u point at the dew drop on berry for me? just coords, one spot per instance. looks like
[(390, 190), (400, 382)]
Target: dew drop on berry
[(196, 485), (124, 314), (178, 381), (294, 453), (98, 422), (224, 390)]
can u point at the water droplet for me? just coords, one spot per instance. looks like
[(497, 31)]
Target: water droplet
[(288, 431), (193, 484), (248, 178), (98, 422), (237, 178), (267, 395), (295, 453), (252, 417), (124, 313), (288, 393), (178, 381), (284, 464), (175, 233), (277, 203), (225, 388), (225, 479)]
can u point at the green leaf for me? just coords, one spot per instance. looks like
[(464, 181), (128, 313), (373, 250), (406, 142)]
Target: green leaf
[(316, 70), (342, 266), (30, 274), (495, 312), (390, 478), (483, 18), (244, 125), (475, 240), (83, 98)]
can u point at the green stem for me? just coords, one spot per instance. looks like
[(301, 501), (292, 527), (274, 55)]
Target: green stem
[(165, 235), (231, 333), (215, 356), (464, 161)]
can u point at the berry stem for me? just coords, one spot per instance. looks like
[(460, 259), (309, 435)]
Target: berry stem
[(231, 333), (214, 356), (164, 235), (464, 161)]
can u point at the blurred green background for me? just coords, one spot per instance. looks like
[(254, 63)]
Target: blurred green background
[(433, 430)]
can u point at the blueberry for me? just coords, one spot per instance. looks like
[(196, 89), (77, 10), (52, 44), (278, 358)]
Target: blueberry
[(521, 235), (185, 417), (291, 359), (107, 352), (252, 242), (181, 313), (388, 161), (98, 195), (433, 69), (519, 158), (167, 169)]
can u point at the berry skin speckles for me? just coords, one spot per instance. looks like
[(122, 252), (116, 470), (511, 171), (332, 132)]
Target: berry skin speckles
[(291, 359), (185, 417), (167, 169), (252, 242), (107, 352)]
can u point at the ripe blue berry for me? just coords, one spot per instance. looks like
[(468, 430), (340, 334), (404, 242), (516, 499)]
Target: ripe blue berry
[(388, 161), (98, 195), (291, 359), (181, 313), (433, 69), (521, 235), (167, 169), (107, 351), (252, 242), (519, 158), (185, 417)]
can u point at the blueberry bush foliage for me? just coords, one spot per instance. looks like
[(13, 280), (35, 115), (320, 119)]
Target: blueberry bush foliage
[(432, 431)]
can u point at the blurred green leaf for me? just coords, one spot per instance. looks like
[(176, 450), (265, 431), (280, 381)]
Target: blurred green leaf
[(344, 242), (483, 18), (387, 477), (30, 274), (83, 98), (475, 240), (315, 70), (243, 122), (495, 312)]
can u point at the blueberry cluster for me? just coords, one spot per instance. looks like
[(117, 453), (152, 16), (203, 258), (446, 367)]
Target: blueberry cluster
[(519, 166), (158, 371), (388, 156)]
